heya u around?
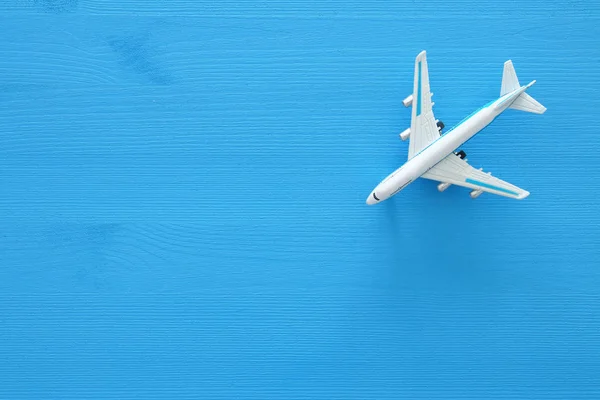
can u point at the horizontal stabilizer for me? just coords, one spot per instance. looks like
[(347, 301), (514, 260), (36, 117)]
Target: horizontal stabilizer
[(528, 104)]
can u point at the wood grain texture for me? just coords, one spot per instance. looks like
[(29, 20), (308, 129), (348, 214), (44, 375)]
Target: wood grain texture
[(182, 203)]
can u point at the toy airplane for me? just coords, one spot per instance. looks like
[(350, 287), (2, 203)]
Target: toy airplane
[(432, 155)]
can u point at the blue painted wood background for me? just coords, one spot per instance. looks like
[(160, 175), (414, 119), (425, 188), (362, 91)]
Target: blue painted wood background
[(182, 188)]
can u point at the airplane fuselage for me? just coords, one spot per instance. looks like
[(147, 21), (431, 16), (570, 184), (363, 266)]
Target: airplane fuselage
[(442, 147)]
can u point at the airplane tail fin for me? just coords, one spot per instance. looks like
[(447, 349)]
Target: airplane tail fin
[(510, 82), (524, 102)]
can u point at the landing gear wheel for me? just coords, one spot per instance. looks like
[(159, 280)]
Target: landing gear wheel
[(461, 154), (440, 125)]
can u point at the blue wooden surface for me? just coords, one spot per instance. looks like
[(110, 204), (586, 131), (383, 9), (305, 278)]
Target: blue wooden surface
[(182, 202)]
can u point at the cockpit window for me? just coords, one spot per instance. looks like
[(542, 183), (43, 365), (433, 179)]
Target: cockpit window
[(375, 197)]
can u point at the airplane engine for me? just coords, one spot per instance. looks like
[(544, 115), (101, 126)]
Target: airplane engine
[(405, 135), (443, 186), (408, 101), (476, 193)]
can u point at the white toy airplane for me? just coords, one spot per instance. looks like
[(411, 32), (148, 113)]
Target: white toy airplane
[(431, 155)]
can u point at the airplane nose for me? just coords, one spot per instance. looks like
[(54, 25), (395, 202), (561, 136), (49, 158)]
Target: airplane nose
[(371, 199)]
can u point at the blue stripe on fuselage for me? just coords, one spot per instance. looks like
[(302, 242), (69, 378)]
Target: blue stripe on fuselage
[(419, 90), (456, 126)]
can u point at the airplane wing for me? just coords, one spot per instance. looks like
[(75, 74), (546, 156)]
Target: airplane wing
[(457, 171), (423, 128)]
